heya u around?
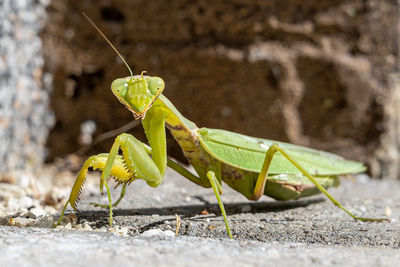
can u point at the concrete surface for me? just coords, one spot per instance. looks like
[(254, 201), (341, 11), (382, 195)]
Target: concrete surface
[(48, 247), (307, 232)]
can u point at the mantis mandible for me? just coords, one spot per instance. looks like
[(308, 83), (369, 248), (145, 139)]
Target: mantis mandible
[(251, 166)]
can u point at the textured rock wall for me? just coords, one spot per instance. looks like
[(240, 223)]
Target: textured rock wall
[(25, 117), (315, 73)]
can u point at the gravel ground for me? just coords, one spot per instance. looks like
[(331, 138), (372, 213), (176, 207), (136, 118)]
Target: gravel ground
[(306, 232), (26, 246)]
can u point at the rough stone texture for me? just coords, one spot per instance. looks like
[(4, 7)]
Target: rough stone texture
[(24, 247), (314, 73), (309, 232), (310, 220), (25, 116)]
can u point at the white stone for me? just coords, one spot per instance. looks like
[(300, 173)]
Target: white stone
[(36, 212), (158, 232)]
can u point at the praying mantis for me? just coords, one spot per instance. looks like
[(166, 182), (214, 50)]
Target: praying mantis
[(251, 166)]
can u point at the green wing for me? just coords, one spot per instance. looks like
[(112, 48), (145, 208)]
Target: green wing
[(248, 153)]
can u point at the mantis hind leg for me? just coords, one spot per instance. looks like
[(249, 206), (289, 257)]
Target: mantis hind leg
[(261, 180)]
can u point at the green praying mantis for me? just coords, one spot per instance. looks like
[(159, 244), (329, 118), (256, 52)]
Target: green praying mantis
[(251, 166)]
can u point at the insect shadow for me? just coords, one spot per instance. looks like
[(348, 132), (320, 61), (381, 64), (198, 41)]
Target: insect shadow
[(195, 212)]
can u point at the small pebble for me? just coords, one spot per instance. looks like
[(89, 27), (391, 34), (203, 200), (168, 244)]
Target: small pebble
[(123, 231), (36, 212), (7, 178), (159, 232), (246, 208), (78, 227), (23, 180), (21, 222), (388, 211), (45, 221), (50, 199), (50, 210), (102, 229), (13, 204), (70, 218), (204, 212), (87, 227), (25, 202), (12, 190)]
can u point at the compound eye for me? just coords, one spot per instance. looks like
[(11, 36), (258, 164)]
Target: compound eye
[(119, 87), (156, 85)]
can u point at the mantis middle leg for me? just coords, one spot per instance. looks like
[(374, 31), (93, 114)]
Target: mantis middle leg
[(215, 184), (123, 191)]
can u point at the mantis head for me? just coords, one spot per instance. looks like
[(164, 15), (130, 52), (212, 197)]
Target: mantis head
[(137, 92)]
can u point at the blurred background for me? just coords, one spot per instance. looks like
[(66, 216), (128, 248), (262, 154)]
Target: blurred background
[(322, 74)]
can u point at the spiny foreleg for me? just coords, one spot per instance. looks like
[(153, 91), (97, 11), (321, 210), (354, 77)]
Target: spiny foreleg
[(119, 170), (134, 163)]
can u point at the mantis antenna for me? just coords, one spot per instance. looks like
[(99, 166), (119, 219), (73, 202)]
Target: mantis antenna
[(108, 41)]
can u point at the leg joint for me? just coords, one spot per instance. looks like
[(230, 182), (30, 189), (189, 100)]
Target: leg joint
[(274, 147)]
